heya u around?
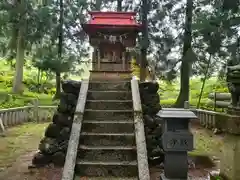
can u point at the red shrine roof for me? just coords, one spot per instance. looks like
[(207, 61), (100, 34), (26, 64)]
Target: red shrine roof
[(116, 20)]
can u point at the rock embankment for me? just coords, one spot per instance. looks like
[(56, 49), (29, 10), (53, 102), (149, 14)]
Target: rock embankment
[(53, 147), (153, 130)]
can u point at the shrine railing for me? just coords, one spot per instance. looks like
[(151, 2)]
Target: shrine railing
[(14, 116), (211, 119)]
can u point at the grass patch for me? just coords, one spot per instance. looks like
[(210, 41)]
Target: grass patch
[(206, 143), (20, 140)]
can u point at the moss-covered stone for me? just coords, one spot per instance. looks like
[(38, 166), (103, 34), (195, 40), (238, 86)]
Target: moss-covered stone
[(52, 131), (54, 145), (151, 106)]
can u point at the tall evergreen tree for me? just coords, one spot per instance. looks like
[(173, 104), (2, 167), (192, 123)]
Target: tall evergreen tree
[(144, 40), (60, 48), (186, 63), (119, 5)]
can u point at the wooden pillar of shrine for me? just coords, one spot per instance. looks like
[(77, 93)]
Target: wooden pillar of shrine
[(114, 57), (98, 59), (94, 58), (124, 61)]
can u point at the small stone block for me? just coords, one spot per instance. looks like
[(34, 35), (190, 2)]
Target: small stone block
[(163, 177)]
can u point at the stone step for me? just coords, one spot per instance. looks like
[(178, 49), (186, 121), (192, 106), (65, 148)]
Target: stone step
[(107, 139), (108, 114), (109, 104), (109, 85), (106, 169), (105, 178), (107, 126), (109, 95), (107, 153)]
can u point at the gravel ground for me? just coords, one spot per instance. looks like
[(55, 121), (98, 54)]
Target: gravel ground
[(20, 171)]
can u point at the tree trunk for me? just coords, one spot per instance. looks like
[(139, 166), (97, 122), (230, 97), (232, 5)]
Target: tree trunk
[(143, 64), (12, 65), (98, 5), (186, 63), (145, 41), (58, 85), (38, 79), (60, 47), (204, 81), (18, 77), (119, 5), (97, 8)]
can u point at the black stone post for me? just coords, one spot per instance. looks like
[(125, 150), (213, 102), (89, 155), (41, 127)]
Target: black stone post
[(177, 140)]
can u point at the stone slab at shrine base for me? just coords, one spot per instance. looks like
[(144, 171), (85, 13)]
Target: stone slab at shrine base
[(163, 177), (110, 75)]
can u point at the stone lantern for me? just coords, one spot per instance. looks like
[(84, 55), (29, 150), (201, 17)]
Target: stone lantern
[(177, 140)]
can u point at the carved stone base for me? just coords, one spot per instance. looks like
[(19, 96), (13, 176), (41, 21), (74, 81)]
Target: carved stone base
[(233, 110), (176, 165), (233, 125), (230, 164), (233, 122)]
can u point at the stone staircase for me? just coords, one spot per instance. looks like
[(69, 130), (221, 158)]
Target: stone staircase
[(107, 147)]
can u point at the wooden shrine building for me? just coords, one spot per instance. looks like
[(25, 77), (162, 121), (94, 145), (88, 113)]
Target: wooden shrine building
[(111, 33)]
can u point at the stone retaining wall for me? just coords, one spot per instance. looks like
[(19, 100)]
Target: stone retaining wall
[(153, 130), (53, 147)]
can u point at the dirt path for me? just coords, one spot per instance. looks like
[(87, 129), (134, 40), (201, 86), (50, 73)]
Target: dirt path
[(18, 141), (19, 171), (14, 151)]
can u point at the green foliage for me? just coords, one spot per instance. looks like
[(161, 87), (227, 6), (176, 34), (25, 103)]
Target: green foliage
[(31, 91), (169, 91), (214, 32), (135, 68), (46, 59)]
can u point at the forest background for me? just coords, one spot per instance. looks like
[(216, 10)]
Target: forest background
[(187, 44)]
